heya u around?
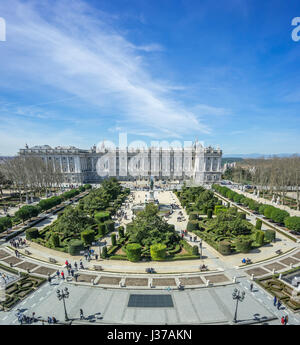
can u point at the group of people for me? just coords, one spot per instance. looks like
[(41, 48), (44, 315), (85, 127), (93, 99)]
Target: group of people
[(17, 242), (22, 318), (246, 261)]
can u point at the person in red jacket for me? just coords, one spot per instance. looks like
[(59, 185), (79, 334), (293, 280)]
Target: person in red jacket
[(62, 275), (282, 320)]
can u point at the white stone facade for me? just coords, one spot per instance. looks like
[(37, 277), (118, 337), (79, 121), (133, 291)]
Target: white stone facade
[(197, 163)]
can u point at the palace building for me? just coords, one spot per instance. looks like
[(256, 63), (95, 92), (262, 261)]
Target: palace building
[(202, 165)]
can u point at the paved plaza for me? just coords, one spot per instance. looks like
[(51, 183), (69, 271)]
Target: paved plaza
[(104, 295)]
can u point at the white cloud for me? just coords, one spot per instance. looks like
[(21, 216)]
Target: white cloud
[(76, 50)]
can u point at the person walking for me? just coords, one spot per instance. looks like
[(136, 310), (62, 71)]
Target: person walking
[(57, 274), (286, 319), (62, 275), (251, 286), (278, 305), (75, 265), (275, 301), (282, 320), (49, 279), (81, 314)]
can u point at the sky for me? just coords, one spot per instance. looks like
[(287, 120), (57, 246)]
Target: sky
[(76, 72)]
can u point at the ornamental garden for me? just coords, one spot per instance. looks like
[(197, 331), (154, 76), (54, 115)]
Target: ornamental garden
[(224, 228)]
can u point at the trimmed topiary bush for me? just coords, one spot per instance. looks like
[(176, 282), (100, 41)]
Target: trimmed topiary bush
[(109, 225), (158, 251), (104, 254), (259, 237), (242, 215), (195, 250), (113, 239), (192, 225), (32, 233), (258, 224), (75, 246), (121, 231), (101, 217), (209, 213), (55, 240), (101, 229), (243, 245), (88, 236), (278, 215), (193, 216), (224, 247), (292, 223), (133, 252), (270, 235)]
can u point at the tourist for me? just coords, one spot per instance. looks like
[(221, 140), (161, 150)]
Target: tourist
[(54, 319), (278, 305), (72, 272), (75, 265), (66, 263), (81, 314), (62, 275), (49, 320), (49, 279), (286, 319), (275, 301), (282, 320), (57, 273), (251, 286)]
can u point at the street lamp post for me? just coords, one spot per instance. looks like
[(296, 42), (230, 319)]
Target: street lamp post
[(200, 245), (239, 297), (61, 295)]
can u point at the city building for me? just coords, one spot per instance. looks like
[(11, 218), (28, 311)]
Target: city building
[(202, 165)]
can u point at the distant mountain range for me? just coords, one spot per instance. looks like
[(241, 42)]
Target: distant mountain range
[(257, 155)]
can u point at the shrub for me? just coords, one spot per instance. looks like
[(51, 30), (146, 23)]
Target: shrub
[(209, 213), (292, 223), (32, 233), (268, 211), (104, 253), (270, 235), (219, 208), (192, 225), (55, 240), (109, 225), (5, 223), (259, 237), (158, 251), (195, 250), (278, 215), (242, 215), (258, 224), (113, 239), (224, 247), (121, 231), (101, 217), (101, 229), (75, 246), (88, 236), (133, 252), (243, 245), (87, 186), (193, 216)]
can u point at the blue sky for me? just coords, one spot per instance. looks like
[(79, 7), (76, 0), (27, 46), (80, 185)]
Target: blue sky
[(77, 72)]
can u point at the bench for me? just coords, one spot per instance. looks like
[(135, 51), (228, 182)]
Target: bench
[(52, 260), (98, 268)]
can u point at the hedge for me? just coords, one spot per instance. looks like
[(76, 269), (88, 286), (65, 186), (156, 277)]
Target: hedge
[(32, 233), (101, 217), (209, 213), (224, 247), (113, 239), (5, 223), (88, 236), (270, 235), (258, 224), (158, 251), (104, 252), (292, 223), (55, 240), (75, 246), (259, 237), (101, 229), (121, 231), (192, 225), (109, 225), (133, 252), (242, 245)]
